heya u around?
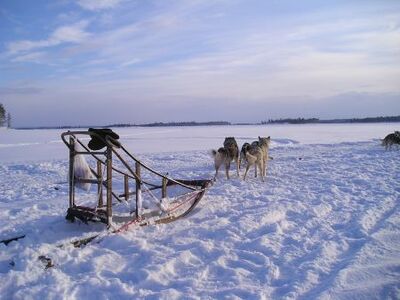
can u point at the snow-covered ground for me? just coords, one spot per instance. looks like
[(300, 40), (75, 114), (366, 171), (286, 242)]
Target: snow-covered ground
[(325, 224)]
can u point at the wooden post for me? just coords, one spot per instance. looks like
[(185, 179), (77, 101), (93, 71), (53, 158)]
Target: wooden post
[(138, 190), (164, 188), (126, 187), (71, 172), (100, 183), (109, 184)]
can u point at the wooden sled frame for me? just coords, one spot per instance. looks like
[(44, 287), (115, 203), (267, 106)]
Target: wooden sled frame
[(103, 212)]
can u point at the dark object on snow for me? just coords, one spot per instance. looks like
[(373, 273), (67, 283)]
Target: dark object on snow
[(7, 241), (83, 242), (86, 214), (391, 139), (97, 143), (46, 261)]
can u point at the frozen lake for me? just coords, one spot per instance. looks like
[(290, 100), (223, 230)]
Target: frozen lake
[(37, 145)]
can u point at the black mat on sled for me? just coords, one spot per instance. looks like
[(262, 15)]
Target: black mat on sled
[(96, 143)]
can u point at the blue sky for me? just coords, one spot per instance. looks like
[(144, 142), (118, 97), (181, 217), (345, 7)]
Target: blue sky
[(89, 62)]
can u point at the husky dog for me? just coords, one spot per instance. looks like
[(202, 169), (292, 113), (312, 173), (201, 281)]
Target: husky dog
[(390, 139), (254, 156), (225, 155), (245, 148), (263, 143)]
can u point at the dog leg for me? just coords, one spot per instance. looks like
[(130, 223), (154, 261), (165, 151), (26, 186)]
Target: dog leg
[(216, 172), (255, 170), (227, 167), (265, 166), (245, 173), (217, 166), (261, 172), (265, 170), (217, 162), (237, 166), (262, 164)]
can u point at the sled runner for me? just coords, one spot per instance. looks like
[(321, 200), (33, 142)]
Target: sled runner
[(148, 197)]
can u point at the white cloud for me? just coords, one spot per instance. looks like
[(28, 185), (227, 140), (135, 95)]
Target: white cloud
[(72, 34), (65, 34), (36, 57), (96, 5), (26, 45), (130, 62)]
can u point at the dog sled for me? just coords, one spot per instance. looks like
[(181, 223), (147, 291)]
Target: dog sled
[(146, 196)]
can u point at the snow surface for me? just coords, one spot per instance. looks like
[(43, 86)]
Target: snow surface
[(325, 224)]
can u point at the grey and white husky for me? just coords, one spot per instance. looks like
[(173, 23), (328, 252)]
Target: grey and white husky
[(254, 156), (391, 139), (225, 155), (264, 142), (245, 148)]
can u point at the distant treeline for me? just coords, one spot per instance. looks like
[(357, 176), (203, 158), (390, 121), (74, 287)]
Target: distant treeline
[(375, 120), (292, 121), (156, 124), (318, 121), (168, 124), (217, 123), (57, 127)]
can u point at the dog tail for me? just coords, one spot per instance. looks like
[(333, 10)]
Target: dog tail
[(213, 152)]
